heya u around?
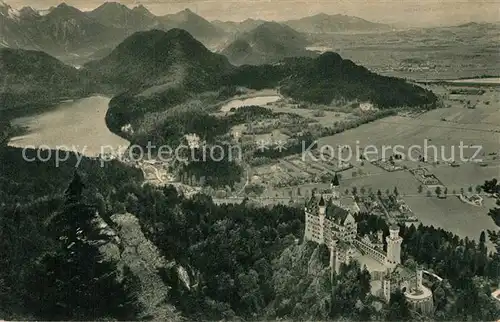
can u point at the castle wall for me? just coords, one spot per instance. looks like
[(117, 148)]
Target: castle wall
[(373, 253), (313, 229)]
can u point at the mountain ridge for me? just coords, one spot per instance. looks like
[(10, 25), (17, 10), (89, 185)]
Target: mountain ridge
[(325, 23)]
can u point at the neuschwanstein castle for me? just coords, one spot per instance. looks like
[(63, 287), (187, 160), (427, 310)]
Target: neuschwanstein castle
[(329, 223)]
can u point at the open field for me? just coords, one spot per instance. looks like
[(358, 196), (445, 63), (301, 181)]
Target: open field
[(432, 53), (452, 214), (323, 117), (446, 136), (445, 127)]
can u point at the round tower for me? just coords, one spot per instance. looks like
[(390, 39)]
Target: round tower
[(386, 288), (394, 242), (419, 278)]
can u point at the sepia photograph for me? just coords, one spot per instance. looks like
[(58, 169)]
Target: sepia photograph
[(250, 160)]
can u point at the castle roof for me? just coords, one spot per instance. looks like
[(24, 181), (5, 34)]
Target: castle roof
[(312, 203), (321, 201), (335, 181), (336, 214), (394, 227)]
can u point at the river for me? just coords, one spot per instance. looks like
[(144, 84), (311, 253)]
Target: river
[(77, 125)]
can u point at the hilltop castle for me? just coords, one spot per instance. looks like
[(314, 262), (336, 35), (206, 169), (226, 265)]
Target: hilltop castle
[(328, 223)]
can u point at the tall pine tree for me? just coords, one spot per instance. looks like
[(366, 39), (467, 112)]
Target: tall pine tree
[(75, 282)]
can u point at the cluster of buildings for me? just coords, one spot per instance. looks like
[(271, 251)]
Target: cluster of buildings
[(328, 222)]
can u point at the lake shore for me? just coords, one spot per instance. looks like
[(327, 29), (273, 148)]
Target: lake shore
[(70, 125)]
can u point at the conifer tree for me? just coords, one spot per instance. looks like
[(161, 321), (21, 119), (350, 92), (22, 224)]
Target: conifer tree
[(75, 282)]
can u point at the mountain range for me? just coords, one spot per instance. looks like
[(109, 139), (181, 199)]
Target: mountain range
[(64, 30), (323, 23), (238, 27)]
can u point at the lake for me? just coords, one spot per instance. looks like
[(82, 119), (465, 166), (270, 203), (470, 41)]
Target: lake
[(77, 125), (257, 100)]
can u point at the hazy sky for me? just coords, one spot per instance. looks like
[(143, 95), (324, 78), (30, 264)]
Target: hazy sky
[(411, 12)]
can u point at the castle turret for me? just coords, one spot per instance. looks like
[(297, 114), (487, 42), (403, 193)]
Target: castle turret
[(335, 186), (322, 214), (322, 206), (386, 288), (380, 237), (394, 242), (419, 278)]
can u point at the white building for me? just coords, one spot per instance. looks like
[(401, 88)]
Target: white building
[(327, 222)]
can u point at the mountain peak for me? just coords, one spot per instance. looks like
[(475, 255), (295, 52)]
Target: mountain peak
[(143, 41), (178, 33), (143, 10), (113, 4), (106, 6), (64, 8), (150, 57), (26, 12), (197, 26)]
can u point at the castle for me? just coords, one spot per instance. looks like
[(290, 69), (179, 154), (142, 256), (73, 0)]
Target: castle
[(328, 223)]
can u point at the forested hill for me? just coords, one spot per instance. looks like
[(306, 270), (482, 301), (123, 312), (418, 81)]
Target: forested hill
[(32, 78), (199, 260), (158, 58), (330, 77), (156, 69), (159, 70)]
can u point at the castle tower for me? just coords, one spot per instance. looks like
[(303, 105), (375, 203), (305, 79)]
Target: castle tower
[(394, 242), (322, 214), (419, 278), (322, 206), (380, 237), (335, 186), (386, 288)]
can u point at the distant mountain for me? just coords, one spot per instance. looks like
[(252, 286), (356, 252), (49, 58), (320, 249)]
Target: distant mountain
[(196, 25), (140, 9), (33, 78), (12, 33), (267, 43), (66, 29), (237, 27), (155, 57), (28, 13), (113, 14), (323, 23)]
